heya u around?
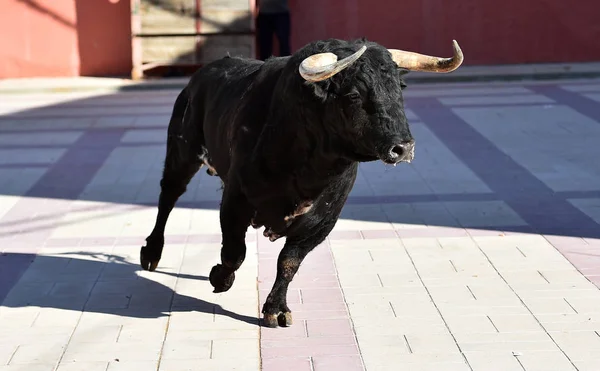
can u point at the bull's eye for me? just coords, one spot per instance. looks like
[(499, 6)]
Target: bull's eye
[(354, 96)]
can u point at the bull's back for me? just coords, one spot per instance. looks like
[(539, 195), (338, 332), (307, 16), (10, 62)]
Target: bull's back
[(217, 92)]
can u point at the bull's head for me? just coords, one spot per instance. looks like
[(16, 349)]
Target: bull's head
[(370, 95)]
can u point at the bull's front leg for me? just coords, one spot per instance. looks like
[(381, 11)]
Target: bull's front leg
[(275, 309), (235, 216)]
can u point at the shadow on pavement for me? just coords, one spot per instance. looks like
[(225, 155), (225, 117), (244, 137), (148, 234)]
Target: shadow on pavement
[(101, 283)]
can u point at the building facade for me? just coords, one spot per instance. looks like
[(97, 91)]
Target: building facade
[(93, 37)]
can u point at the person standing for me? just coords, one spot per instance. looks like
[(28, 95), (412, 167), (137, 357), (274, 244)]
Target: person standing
[(273, 18)]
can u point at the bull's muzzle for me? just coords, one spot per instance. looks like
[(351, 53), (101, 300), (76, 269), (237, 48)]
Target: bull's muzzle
[(402, 152)]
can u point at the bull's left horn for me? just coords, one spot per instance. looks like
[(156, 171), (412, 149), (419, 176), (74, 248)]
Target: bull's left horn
[(426, 63), (319, 67)]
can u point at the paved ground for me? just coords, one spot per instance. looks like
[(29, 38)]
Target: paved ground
[(480, 255)]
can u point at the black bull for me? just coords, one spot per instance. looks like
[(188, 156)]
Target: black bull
[(286, 147)]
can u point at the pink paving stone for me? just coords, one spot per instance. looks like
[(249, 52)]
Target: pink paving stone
[(345, 235), (62, 242), (309, 307), (175, 239), (287, 364), (319, 282), (335, 363), (483, 232), (432, 232), (564, 240), (376, 234), (321, 295), (98, 241), (293, 296), (320, 314), (308, 342), (592, 242), (329, 327), (204, 238), (125, 241), (582, 260), (297, 330), (309, 351), (317, 267)]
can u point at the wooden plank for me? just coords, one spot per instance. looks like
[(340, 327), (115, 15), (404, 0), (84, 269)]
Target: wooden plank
[(223, 20), (170, 50), (225, 4), (217, 46), (168, 16)]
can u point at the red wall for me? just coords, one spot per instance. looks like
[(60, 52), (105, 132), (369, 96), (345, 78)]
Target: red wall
[(92, 37), (64, 38), (489, 31)]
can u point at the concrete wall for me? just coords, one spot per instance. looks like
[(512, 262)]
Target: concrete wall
[(91, 37)]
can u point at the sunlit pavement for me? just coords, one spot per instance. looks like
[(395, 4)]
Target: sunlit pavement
[(483, 254)]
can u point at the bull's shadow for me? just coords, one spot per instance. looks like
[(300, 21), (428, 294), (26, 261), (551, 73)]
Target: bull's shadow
[(100, 283)]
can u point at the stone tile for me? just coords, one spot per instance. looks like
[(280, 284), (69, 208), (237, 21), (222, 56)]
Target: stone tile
[(6, 353), (183, 350), (108, 334), (242, 348), (486, 362), (329, 327), (132, 365), (88, 366), (29, 367), (347, 363), (108, 352), (431, 343), (210, 364), (287, 363), (308, 351), (546, 361), (37, 353)]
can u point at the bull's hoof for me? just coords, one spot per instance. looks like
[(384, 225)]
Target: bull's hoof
[(221, 278), (149, 259), (283, 319), (270, 320), (149, 265)]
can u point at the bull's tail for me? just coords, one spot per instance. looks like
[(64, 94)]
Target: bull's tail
[(180, 109)]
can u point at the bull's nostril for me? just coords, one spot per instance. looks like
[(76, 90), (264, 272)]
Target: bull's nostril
[(397, 151), (402, 152)]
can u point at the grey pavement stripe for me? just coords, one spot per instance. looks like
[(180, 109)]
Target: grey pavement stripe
[(576, 101), (66, 179), (534, 201)]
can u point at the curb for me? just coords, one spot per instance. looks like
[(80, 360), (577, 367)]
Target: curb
[(124, 85)]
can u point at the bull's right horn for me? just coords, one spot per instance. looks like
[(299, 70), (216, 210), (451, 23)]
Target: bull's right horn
[(319, 67), (427, 63)]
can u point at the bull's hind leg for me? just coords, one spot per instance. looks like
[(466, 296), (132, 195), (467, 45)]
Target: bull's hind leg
[(181, 163), (176, 177), (235, 217)]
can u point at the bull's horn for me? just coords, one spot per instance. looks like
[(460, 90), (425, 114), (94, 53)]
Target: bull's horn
[(319, 67), (425, 63)]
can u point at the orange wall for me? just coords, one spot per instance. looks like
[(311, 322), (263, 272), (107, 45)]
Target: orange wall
[(489, 31), (64, 38), (92, 37)]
